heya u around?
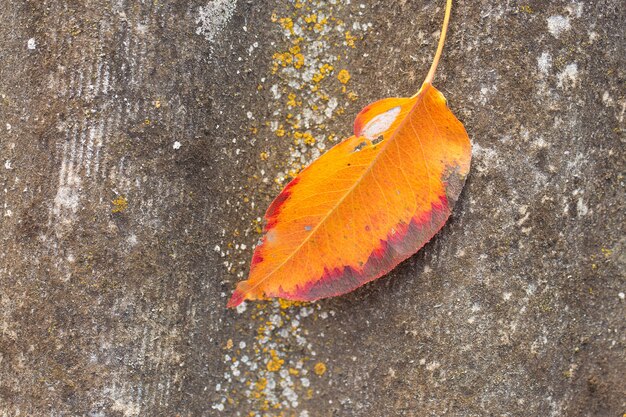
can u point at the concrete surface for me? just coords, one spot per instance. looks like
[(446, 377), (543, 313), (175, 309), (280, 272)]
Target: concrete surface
[(141, 141)]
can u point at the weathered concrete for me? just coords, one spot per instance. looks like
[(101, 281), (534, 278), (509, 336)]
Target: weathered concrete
[(136, 161)]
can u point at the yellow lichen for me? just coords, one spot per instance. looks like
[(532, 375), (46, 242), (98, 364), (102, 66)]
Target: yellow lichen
[(326, 68), (285, 304), (308, 138), (260, 384), (286, 23), (323, 72), (526, 9), (283, 59), (298, 61), (275, 363), (119, 204), (291, 100), (350, 39), (344, 76), (353, 96), (319, 368)]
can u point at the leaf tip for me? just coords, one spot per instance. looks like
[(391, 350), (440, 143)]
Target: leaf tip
[(243, 292), (237, 298)]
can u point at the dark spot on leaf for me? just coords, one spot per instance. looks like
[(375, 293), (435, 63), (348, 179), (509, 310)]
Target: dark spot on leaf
[(360, 146)]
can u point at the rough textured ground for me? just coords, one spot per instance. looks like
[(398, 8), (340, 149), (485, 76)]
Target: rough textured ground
[(141, 142)]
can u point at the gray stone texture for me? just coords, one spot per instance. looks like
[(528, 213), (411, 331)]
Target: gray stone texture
[(136, 163)]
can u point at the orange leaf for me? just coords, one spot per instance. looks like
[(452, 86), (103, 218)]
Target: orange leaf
[(367, 204)]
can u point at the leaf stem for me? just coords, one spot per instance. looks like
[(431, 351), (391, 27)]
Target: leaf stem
[(431, 74)]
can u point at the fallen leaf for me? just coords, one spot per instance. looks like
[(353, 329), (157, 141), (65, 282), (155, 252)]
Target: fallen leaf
[(367, 204)]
